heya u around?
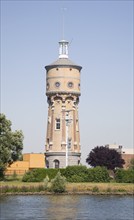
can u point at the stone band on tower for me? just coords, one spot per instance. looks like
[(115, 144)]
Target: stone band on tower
[(63, 90)]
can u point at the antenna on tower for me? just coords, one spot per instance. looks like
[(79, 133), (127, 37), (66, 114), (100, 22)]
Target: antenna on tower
[(63, 21), (63, 44)]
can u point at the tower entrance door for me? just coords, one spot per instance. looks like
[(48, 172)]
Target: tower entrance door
[(56, 164)]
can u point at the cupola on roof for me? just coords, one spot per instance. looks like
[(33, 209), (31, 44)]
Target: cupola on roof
[(63, 49), (63, 58)]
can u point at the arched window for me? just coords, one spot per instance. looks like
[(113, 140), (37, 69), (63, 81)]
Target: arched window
[(56, 164)]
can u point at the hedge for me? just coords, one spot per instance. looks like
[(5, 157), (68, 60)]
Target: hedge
[(76, 173), (124, 176), (98, 174), (72, 174), (38, 175)]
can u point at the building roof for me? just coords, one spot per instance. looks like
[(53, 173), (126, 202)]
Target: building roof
[(64, 62)]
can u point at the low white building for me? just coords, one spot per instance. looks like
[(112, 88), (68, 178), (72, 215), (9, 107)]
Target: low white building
[(116, 147)]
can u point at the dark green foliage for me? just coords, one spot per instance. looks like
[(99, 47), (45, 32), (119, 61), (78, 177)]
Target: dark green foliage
[(38, 175), (103, 156), (76, 179), (71, 173), (11, 144), (98, 174), (2, 170), (76, 174), (124, 176), (58, 184)]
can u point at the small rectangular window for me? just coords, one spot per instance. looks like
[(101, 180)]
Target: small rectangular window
[(57, 124)]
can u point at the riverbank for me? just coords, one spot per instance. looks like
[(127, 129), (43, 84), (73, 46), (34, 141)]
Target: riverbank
[(16, 187)]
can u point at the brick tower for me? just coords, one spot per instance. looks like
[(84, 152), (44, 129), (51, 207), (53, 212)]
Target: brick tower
[(62, 146)]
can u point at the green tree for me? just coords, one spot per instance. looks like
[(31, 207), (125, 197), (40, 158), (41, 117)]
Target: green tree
[(103, 156), (58, 184), (11, 144)]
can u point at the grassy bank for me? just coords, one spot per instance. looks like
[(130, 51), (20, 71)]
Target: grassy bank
[(14, 187), (102, 188)]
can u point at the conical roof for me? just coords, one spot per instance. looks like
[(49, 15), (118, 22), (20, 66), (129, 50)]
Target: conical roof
[(63, 62)]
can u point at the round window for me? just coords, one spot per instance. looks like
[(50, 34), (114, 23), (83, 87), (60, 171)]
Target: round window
[(57, 84), (70, 84)]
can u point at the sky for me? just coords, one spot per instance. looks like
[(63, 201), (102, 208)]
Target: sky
[(101, 41)]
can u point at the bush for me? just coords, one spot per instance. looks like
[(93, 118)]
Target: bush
[(46, 180), (76, 174), (98, 174), (51, 173), (58, 184), (33, 176), (124, 176)]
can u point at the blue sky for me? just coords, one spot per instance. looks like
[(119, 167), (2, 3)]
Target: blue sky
[(101, 36)]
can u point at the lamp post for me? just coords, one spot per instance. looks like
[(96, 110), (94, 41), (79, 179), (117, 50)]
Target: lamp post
[(68, 121)]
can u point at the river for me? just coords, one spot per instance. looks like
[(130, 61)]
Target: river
[(66, 207)]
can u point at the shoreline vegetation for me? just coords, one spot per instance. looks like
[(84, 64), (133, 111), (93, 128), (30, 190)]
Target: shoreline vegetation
[(72, 180), (36, 188)]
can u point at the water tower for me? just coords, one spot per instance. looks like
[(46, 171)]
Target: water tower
[(62, 146)]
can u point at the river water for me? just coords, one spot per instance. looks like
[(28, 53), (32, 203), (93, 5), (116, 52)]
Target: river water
[(66, 207)]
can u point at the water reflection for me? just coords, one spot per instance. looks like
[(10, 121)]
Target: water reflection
[(66, 207)]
